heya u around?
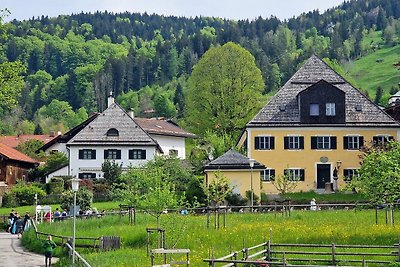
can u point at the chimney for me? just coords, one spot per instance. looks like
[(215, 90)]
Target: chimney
[(131, 113), (110, 99), (52, 133)]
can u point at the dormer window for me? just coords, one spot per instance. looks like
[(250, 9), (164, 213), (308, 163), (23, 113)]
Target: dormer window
[(112, 132), (314, 109), (330, 109)]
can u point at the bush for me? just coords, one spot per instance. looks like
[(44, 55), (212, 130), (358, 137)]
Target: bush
[(9, 200), (84, 199), (55, 186), (235, 199), (22, 195)]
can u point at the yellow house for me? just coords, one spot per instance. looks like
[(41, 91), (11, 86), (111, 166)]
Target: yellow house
[(242, 173), (313, 128)]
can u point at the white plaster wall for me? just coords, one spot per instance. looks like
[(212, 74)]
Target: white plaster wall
[(61, 147), (61, 172), (171, 142), (77, 165)]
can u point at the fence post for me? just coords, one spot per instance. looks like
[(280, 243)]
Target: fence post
[(376, 214), (363, 261), (398, 246), (284, 260), (333, 254), (235, 257), (208, 217), (269, 250)]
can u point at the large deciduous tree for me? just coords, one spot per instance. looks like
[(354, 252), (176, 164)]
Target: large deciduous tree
[(225, 88), (379, 175)]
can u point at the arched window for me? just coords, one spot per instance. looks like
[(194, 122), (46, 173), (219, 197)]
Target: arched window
[(112, 132)]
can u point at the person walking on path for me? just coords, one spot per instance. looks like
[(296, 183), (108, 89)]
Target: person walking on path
[(19, 225), (49, 247)]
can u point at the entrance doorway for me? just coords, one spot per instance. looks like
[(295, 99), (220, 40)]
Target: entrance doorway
[(323, 175)]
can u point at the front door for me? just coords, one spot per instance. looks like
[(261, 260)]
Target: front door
[(323, 175)]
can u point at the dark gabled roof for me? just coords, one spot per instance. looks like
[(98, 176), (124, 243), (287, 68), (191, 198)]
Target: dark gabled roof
[(129, 132), (13, 154), (232, 160), (283, 108), (68, 135), (162, 126)]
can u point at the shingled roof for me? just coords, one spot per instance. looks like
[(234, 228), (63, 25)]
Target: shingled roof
[(114, 117), (283, 108), (162, 126), (232, 160), (13, 154)]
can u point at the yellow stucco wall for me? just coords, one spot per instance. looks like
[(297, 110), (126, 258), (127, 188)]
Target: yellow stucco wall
[(239, 180), (307, 159)]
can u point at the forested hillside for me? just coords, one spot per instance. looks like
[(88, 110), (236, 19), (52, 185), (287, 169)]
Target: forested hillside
[(73, 62)]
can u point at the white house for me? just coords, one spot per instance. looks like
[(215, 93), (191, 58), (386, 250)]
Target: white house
[(116, 135)]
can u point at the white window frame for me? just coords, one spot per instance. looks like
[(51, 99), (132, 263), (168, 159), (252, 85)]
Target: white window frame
[(265, 175), (353, 171), (264, 142), (353, 142), (295, 174), (330, 109), (294, 142), (321, 144)]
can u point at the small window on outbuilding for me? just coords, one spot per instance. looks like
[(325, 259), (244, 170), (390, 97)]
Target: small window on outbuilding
[(112, 132)]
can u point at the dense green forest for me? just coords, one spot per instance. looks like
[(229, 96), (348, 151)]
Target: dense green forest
[(69, 64)]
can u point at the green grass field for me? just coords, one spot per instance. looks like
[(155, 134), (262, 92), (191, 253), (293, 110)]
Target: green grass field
[(377, 69), (242, 230)]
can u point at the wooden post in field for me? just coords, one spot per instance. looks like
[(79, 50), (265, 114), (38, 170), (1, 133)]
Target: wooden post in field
[(363, 262), (284, 260), (208, 217), (235, 257), (333, 254), (398, 246), (225, 218), (386, 214), (376, 215)]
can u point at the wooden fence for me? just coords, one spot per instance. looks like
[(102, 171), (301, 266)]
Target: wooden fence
[(79, 260), (297, 255), (170, 252)]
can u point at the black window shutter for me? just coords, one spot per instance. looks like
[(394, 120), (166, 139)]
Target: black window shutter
[(130, 154), (106, 154), (80, 154), (345, 142), (257, 142), (333, 142), (390, 138), (118, 154), (346, 173), (80, 176), (302, 175), (93, 153), (301, 140), (272, 175), (272, 142), (286, 142), (361, 141), (143, 154), (286, 172), (313, 142), (375, 140)]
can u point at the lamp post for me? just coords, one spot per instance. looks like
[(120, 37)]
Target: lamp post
[(75, 187), (251, 162)]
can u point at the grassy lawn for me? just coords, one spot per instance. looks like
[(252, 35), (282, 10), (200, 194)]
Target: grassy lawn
[(243, 230), (377, 69)]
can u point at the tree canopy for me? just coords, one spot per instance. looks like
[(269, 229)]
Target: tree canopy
[(379, 175), (225, 88)]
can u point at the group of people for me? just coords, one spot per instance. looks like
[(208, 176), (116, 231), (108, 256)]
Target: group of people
[(17, 224)]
